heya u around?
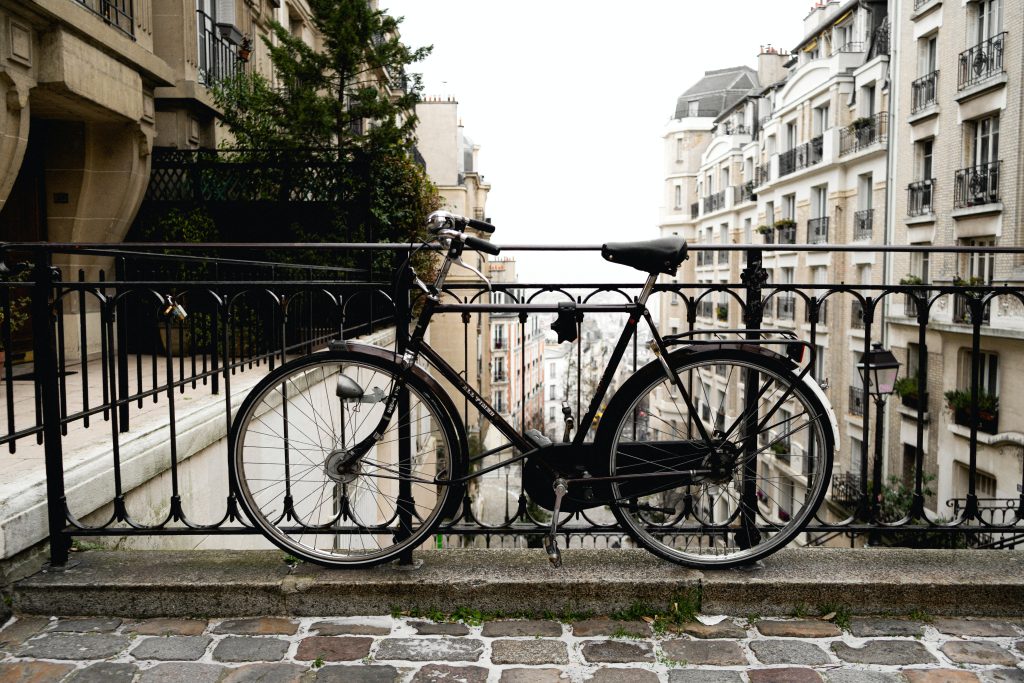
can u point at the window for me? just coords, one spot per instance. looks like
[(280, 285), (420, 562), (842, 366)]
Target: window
[(499, 401), (984, 483), (552, 396), (552, 370), (865, 191), (693, 108), (680, 149), (551, 414), (748, 234), (868, 99), (769, 213), (674, 299), (988, 20), (819, 201), (790, 135), (678, 197), (499, 369), (927, 58), (820, 119), (919, 265), (725, 178), (988, 371), (984, 141), (913, 360), (499, 334), (979, 266), (924, 159), (789, 206)]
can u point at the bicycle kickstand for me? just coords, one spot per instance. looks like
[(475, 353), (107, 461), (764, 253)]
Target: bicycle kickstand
[(550, 541)]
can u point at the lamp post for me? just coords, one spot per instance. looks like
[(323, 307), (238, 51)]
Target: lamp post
[(878, 370)]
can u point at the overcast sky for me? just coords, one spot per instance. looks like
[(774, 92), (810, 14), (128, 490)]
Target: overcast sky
[(568, 101)]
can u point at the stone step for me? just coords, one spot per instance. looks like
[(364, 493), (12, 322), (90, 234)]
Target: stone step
[(211, 583)]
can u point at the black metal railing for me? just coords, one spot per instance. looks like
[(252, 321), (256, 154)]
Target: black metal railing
[(817, 230), (801, 156), (924, 91), (106, 354), (762, 174), (864, 132), (727, 128), (714, 202), (745, 192), (976, 185), (981, 62), (862, 224), (786, 233), (218, 58), (849, 46), (880, 40), (920, 195), (118, 14)]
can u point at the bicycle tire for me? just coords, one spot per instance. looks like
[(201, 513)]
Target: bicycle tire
[(294, 427), (712, 524)]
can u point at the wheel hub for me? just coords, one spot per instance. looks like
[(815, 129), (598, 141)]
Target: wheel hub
[(722, 462), (342, 466)]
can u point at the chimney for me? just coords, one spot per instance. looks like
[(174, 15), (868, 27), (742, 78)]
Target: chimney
[(769, 65)]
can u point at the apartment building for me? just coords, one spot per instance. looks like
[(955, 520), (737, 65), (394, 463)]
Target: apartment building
[(957, 150), (556, 386), (799, 157)]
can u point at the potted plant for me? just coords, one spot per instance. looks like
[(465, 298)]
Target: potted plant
[(784, 223), (962, 309), (911, 280), (780, 448), (19, 314), (959, 401), (722, 312), (764, 229), (907, 389)]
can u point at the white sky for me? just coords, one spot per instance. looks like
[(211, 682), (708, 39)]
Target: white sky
[(568, 104)]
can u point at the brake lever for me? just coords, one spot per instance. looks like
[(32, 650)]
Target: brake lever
[(459, 262)]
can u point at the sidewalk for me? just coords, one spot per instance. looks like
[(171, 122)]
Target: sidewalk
[(407, 648)]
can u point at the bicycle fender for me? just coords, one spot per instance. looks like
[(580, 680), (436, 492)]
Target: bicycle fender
[(807, 379), (345, 346)]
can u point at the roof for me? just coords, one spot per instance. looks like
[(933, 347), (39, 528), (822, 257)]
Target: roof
[(718, 90)]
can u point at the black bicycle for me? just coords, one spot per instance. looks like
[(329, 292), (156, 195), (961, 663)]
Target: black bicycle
[(717, 453)]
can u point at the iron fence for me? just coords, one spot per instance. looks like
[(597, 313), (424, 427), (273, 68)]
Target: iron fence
[(863, 133), (218, 57), (817, 230), (862, 224), (118, 14), (981, 62), (801, 156), (109, 344), (924, 91), (920, 195), (976, 185)]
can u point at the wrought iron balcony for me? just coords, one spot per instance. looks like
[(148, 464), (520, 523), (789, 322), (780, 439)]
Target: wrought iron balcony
[(924, 91), (817, 230), (786, 232), (801, 156), (218, 58), (762, 174), (857, 399), (846, 489), (744, 192), (981, 62), (118, 14), (862, 224), (850, 46), (714, 202), (920, 196), (976, 185), (880, 40), (863, 133)]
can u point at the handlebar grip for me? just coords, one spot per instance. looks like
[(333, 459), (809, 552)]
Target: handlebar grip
[(482, 226), (482, 245)]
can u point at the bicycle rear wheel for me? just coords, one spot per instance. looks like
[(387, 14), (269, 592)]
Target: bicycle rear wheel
[(771, 459), (297, 482)]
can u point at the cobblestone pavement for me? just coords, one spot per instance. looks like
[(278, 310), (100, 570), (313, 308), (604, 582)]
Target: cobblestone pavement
[(280, 650)]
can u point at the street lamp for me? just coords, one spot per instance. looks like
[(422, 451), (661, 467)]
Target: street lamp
[(878, 370)]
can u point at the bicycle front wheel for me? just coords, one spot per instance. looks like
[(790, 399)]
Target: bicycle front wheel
[(299, 482), (741, 493)]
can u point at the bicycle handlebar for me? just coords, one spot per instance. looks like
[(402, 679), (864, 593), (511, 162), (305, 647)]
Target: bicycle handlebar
[(482, 245), (440, 220)]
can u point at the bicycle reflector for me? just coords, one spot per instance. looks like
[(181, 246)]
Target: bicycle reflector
[(565, 323)]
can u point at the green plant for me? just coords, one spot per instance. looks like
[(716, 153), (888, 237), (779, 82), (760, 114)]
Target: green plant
[(861, 123), (468, 616), (780, 448), (784, 223), (318, 662), (967, 284), (722, 312), (911, 280), (800, 610), (764, 229), (960, 399), (19, 305), (906, 387), (838, 614)]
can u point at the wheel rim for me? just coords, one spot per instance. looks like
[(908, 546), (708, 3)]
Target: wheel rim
[(708, 523), (315, 502)]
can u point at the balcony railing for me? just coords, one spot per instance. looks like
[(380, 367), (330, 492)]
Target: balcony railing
[(924, 92), (856, 401), (851, 46), (118, 14), (787, 233), (744, 193), (962, 311), (981, 62), (762, 174), (733, 129), (880, 40), (801, 156), (714, 202), (846, 488), (817, 230), (863, 133), (862, 224), (218, 58), (919, 197), (246, 316), (976, 185)]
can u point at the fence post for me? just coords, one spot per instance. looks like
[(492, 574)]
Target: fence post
[(45, 354), (120, 274), (404, 430), (754, 276)]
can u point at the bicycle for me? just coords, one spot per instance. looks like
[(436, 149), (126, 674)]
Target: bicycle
[(352, 456)]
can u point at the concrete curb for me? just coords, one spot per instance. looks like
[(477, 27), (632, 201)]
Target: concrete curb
[(248, 583)]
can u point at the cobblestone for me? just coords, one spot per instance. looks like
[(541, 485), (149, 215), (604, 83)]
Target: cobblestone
[(404, 650)]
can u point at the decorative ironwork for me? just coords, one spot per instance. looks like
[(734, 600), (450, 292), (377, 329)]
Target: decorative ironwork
[(976, 185), (801, 156), (218, 58), (862, 224), (880, 40), (714, 202), (919, 197), (981, 62), (785, 307), (863, 133), (118, 14), (762, 174), (817, 230), (924, 92)]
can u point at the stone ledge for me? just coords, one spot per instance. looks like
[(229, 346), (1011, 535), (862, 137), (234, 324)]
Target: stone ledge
[(246, 583)]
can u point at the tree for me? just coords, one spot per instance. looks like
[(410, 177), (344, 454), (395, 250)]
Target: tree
[(351, 103)]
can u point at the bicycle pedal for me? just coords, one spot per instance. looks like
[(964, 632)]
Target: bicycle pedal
[(554, 554)]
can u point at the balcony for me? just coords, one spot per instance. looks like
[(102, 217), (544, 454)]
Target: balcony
[(962, 312), (863, 133), (218, 58), (118, 14), (976, 185), (499, 377), (919, 197), (728, 128), (981, 62), (762, 174), (846, 488), (801, 156), (817, 230), (744, 193), (785, 307), (786, 231), (924, 92), (714, 202), (880, 41), (857, 399), (850, 46), (862, 224)]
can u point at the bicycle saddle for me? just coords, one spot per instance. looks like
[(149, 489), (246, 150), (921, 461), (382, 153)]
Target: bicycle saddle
[(652, 256)]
